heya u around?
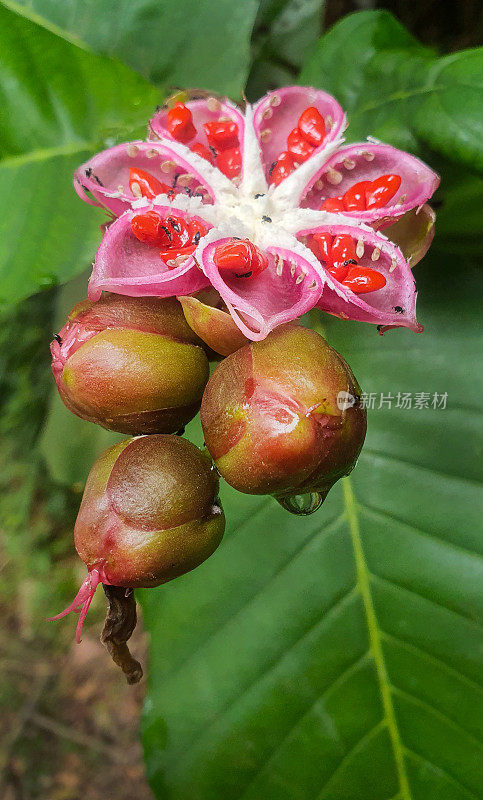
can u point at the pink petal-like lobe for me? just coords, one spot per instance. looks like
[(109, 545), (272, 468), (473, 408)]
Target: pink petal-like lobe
[(394, 304), (125, 265), (367, 162), (106, 175), (286, 289), (277, 114)]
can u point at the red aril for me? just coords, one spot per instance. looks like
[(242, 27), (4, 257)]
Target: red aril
[(229, 162), (180, 123), (282, 167), (361, 280), (355, 197), (333, 204), (343, 249), (298, 146), (204, 152), (222, 135), (324, 243), (241, 257), (149, 186), (312, 126), (147, 227), (382, 190)]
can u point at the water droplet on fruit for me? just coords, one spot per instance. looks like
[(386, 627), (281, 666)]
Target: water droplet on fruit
[(302, 504)]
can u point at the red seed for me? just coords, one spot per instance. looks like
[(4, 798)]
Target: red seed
[(283, 166), (180, 123), (298, 146), (362, 280), (312, 126), (324, 243), (149, 186), (343, 249), (170, 232), (196, 227), (147, 228), (242, 258), (333, 204), (355, 197), (339, 271), (229, 162), (179, 231), (382, 190), (222, 135), (204, 152)]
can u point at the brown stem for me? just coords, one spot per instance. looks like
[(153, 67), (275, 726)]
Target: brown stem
[(120, 622)]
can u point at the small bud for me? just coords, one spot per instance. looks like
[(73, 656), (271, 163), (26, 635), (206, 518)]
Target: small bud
[(130, 364), (273, 420), (213, 325)]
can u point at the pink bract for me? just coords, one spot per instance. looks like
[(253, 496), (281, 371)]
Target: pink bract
[(280, 220)]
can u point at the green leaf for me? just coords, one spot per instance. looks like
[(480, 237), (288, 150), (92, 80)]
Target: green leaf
[(171, 42), (58, 106), (337, 657), (285, 32), (295, 30), (397, 90)]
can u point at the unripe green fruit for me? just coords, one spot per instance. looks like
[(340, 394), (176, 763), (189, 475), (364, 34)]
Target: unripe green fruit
[(273, 419), (130, 364), (150, 512)]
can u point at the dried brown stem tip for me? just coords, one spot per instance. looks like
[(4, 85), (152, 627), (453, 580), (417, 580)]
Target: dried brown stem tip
[(120, 622)]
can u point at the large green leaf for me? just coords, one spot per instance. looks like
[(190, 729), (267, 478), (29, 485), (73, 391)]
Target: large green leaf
[(58, 106), (397, 90), (172, 42), (338, 657)]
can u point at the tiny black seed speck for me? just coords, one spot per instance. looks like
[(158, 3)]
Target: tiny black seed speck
[(196, 237), (260, 194), (175, 225), (57, 338), (243, 275), (266, 219), (399, 309)]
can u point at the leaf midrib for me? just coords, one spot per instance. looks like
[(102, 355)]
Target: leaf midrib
[(363, 580)]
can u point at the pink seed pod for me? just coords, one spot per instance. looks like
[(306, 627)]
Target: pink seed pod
[(150, 513), (283, 416), (132, 365)]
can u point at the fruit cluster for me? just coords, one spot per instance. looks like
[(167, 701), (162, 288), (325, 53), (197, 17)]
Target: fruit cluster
[(271, 421), (219, 241)]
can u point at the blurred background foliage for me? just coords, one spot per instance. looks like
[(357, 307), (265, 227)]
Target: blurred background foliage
[(81, 75)]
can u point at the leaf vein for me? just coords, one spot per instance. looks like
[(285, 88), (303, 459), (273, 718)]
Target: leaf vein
[(376, 512), (393, 583), (363, 577), (430, 709), (418, 757), (328, 529), (335, 683)]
